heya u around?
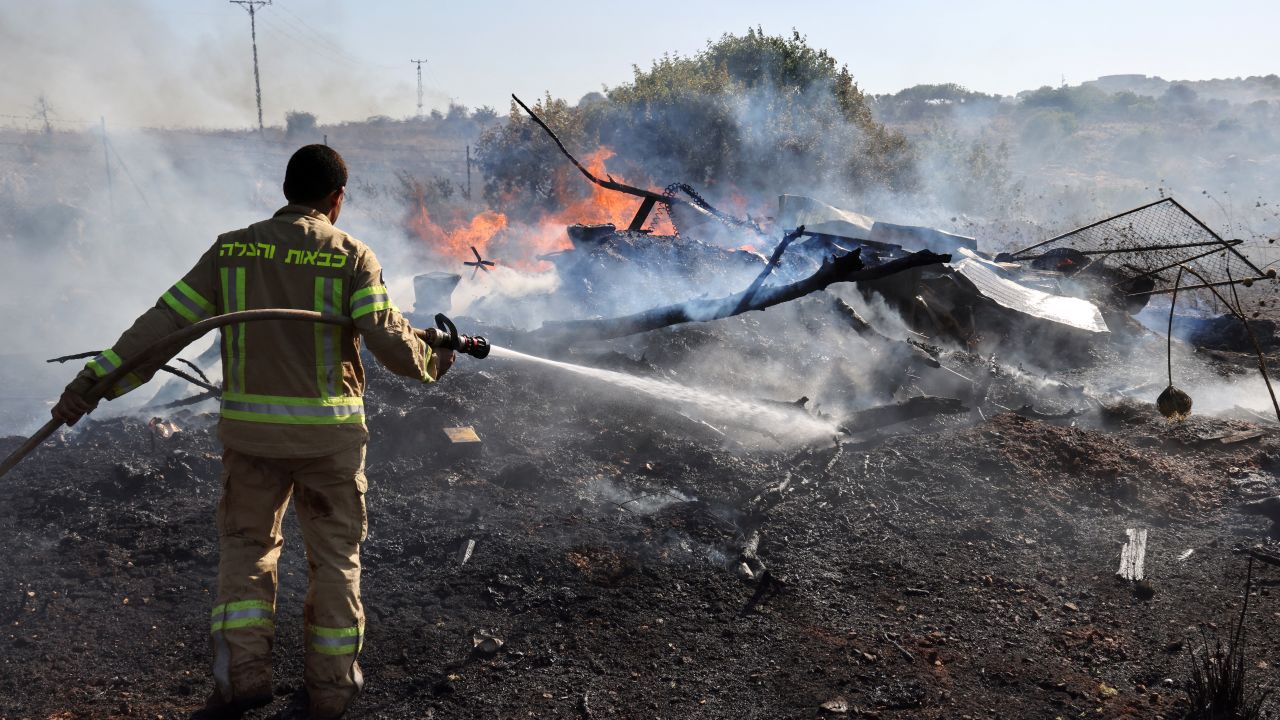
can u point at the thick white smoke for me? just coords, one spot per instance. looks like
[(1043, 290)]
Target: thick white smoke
[(126, 61)]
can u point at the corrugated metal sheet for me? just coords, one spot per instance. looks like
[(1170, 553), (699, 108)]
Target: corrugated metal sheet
[(991, 280), (916, 237), (819, 217)]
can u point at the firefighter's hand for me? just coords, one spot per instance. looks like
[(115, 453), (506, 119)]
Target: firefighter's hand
[(444, 362), (71, 407)]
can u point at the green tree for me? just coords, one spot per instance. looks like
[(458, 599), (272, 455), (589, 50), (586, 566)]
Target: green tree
[(760, 112), (519, 162)]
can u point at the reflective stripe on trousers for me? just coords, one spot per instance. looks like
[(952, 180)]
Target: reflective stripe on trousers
[(230, 617), (244, 613), (335, 641)]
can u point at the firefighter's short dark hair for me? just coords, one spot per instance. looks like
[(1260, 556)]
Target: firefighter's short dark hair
[(313, 172)]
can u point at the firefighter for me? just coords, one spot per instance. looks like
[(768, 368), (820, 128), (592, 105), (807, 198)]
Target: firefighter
[(292, 424)]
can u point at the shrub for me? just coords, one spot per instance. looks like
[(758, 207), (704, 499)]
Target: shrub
[(759, 112), (298, 123)]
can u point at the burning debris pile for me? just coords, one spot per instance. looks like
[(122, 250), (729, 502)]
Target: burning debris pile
[(900, 491), (604, 266)]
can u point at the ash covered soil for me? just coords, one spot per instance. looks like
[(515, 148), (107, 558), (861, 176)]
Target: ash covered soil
[(951, 567)]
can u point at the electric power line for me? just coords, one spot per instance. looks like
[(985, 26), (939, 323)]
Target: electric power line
[(319, 50), (331, 44), (35, 118), (120, 161)]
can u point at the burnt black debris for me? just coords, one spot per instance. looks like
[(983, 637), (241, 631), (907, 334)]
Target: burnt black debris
[(619, 552), (550, 546)]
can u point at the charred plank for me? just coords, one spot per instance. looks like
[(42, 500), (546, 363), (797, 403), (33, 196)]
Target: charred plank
[(919, 406)]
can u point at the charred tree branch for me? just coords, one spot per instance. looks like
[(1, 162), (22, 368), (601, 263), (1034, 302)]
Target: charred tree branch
[(610, 184), (847, 268), (202, 384), (196, 368), (184, 402), (768, 268), (915, 407)]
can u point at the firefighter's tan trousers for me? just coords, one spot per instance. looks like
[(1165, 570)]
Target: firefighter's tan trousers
[(331, 512)]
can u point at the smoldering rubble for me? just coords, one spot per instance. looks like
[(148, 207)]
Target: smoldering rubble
[(868, 468)]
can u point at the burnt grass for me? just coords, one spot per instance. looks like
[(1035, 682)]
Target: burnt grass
[(956, 568)]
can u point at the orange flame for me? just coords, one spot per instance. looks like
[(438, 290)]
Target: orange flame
[(457, 242), (522, 243)]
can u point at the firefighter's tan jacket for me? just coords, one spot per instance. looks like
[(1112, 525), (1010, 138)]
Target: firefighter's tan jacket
[(290, 389)]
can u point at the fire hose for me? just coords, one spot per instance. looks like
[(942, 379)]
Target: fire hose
[(444, 336)]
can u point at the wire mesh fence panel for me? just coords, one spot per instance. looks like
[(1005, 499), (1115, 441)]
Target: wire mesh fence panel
[(1143, 249)]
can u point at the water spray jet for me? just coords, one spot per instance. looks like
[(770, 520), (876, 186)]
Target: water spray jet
[(761, 417)]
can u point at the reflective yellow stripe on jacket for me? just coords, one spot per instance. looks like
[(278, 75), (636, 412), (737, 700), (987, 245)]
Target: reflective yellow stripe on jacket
[(370, 299), (191, 305), (332, 410), (106, 361), (328, 300), (233, 281)]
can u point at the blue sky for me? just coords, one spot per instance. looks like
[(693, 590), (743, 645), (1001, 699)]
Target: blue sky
[(187, 61)]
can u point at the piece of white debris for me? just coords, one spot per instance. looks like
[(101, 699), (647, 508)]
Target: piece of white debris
[(1133, 554)]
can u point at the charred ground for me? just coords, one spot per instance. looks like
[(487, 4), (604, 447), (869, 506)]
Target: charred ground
[(963, 566)]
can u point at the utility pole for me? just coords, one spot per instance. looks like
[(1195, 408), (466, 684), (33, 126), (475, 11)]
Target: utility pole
[(252, 7), (419, 64), (43, 109), (468, 172)]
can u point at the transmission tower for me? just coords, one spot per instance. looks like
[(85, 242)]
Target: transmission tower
[(252, 7), (419, 64)]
